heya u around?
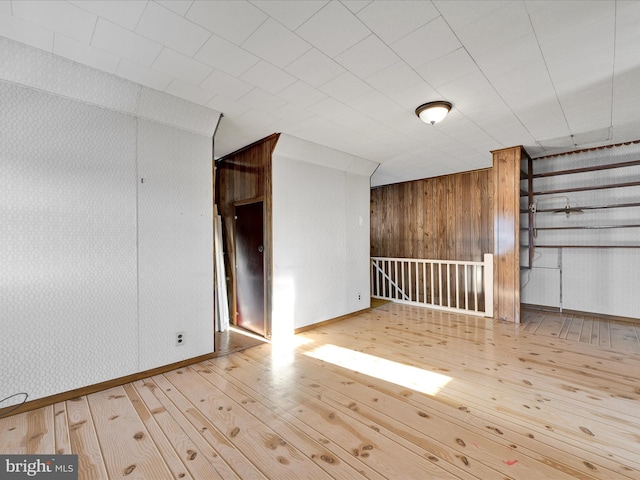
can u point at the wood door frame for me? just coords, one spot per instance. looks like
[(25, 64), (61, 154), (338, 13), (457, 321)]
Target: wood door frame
[(266, 262)]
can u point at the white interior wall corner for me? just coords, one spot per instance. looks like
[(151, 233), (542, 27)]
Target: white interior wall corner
[(28, 66), (320, 233), (69, 159), (169, 110), (175, 238), (303, 150), (68, 236)]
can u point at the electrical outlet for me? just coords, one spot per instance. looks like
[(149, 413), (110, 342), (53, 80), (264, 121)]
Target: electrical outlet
[(359, 297), (180, 339)]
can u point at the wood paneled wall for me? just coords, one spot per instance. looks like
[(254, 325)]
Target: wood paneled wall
[(445, 218), (506, 212), (242, 177)]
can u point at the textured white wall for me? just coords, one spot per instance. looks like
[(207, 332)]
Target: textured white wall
[(175, 244), (593, 280), (320, 234), (68, 243), (72, 213)]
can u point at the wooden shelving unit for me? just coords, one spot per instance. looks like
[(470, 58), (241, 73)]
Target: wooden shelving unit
[(529, 191)]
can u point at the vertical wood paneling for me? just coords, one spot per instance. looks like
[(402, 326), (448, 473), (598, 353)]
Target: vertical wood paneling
[(506, 184), (444, 218), (243, 176)]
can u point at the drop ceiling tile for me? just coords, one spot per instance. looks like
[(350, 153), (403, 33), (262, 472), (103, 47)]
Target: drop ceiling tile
[(392, 20), (448, 68), (143, 75), (182, 67), (226, 85), (377, 106), (589, 108), (544, 120), (627, 35), (356, 5), (181, 7), (345, 87), (625, 133), (261, 100), (505, 24), (170, 29), (271, 79), (120, 41), (227, 107), (410, 98), (346, 29), (534, 5), (464, 131), (431, 41), (398, 76), (315, 68), (189, 92), (276, 44), (224, 55), (330, 108), (572, 66), (259, 119), (125, 13), (626, 98), (524, 86), (367, 57), (60, 17), (558, 19), (301, 94), (288, 13), (85, 54), (470, 93), (233, 20), (26, 32), (292, 113), (517, 54), (461, 14)]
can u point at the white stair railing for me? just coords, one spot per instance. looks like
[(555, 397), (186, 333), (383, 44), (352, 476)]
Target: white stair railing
[(451, 285)]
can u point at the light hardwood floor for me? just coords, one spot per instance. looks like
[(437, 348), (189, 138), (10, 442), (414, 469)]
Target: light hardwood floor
[(399, 392), (607, 333)]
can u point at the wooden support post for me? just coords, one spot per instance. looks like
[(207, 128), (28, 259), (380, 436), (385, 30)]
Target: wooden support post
[(506, 233)]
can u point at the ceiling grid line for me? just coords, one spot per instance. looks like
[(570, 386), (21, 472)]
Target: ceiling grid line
[(350, 75)]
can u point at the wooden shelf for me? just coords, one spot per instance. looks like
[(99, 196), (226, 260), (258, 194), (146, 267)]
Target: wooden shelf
[(584, 227), (592, 207), (583, 246), (529, 192), (586, 169), (582, 189)]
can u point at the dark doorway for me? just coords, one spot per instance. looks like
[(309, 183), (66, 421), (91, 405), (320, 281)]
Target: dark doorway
[(250, 267)]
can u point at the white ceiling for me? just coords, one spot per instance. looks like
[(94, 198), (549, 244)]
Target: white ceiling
[(549, 75)]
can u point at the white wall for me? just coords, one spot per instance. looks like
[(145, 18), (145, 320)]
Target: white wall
[(603, 281), (97, 270), (320, 234), (175, 238)]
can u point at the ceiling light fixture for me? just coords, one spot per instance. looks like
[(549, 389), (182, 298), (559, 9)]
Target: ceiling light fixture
[(433, 112)]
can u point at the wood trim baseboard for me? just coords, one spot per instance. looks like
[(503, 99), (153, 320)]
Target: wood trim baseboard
[(579, 312), (116, 382), (330, 321)]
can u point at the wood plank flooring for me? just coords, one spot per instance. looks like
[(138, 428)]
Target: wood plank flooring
[(399, 392), (235, 339), (611, 334)]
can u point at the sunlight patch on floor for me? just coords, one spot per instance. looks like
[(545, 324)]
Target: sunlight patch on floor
[(283, 348), (400, 374)]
